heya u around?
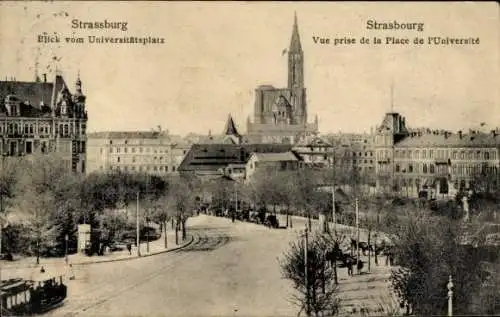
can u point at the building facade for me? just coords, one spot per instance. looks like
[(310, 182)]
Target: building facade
[(153, 152), (271, 163), (437, 162), (316, 152), (280, 114), (44, 117)]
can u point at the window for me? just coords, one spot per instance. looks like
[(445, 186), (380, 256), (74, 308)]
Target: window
[(431, 169), (431, 154), (126, 141), (133, 150), (397, 168), (486, 155), (166, 168), (110, 141), (111, 150), (140, 150), (100, 150), (133, 159), (173, 168), (424, 168), (117, 150), (424, 154), (118, 159), (125, 150)]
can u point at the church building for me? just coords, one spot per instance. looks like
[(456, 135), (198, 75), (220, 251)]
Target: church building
[(280, 114)]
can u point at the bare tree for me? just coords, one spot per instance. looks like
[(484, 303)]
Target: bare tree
[(316, 291)]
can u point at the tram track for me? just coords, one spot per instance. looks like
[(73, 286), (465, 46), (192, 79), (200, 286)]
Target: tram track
[(98, 294)]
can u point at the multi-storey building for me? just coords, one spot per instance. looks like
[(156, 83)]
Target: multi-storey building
[(434, 161), (315, 152), (154, 152), (44, 117), (280, 114)]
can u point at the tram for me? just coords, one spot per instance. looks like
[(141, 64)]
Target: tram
[(20, 297)]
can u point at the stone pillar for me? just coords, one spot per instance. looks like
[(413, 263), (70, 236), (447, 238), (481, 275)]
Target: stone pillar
[(84, 233), (466, 208)]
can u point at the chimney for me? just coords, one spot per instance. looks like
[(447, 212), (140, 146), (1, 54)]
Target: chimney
[(44, 78), (460, 134)]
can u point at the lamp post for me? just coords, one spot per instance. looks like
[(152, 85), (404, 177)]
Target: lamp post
[(306, 242), (357, 238), (137, 227)]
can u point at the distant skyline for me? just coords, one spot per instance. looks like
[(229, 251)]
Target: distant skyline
[(216, 54)]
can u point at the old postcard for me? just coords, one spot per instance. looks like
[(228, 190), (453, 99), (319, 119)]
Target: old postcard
[(249, 158)]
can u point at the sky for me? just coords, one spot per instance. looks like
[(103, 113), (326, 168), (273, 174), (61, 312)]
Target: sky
[(216, 54)]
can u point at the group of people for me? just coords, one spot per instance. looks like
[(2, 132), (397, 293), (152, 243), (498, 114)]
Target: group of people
[(350, 263), (69, 271)]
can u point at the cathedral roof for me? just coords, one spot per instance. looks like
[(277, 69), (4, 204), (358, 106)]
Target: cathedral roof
[(230, 128), (295, 45)]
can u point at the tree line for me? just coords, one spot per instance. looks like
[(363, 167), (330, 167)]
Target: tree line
[(42, 203)]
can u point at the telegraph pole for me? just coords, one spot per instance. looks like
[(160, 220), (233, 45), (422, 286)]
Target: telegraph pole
[(334, 216), (305, 270), (138, 241), (357, 232)]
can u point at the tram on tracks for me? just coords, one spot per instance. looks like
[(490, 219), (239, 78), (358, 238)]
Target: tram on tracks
[(20, 297)]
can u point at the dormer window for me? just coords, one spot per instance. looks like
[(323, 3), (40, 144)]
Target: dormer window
[(64, 108)]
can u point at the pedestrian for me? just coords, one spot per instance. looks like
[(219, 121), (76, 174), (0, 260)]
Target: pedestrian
[(71, 273), (42, 270), (129, 248), (360, 266), (349, 267)]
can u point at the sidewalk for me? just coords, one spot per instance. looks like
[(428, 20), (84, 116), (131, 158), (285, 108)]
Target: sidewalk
[(27, 267)]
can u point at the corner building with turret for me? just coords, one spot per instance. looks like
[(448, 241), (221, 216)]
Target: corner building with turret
[(43, 117), (280, 114)]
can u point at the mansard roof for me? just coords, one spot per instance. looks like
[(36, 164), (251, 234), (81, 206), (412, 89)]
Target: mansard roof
[(215, 156), (276, 157), (31, 95), (129, 135), (452, 140)]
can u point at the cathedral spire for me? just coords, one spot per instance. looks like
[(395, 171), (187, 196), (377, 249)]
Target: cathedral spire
[(295, 46)]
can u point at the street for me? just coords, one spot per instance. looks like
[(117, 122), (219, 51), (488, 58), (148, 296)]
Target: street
[(230, 269)]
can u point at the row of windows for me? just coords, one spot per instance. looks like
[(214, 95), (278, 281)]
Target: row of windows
[(137, 150), (361, 154), (445, 154), (134, 159), (457, 169), (141, 168)]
